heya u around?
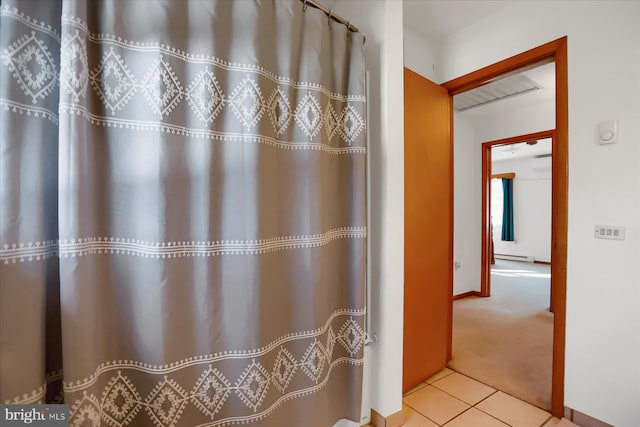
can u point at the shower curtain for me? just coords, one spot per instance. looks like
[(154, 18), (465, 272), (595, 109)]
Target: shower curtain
[(182, 212)]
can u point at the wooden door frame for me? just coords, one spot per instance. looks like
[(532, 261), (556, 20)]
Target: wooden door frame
[(485, 272), (555, 51)]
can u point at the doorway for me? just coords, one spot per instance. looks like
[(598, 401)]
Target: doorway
[(506, 339), (555, 51), (422, 226), (540, 149)]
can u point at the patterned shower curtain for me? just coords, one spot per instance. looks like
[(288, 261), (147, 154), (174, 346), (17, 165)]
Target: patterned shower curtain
[(182, 212)]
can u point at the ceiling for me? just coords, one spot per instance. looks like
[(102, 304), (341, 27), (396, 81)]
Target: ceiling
[(544, 78), (436, 19), (496, 90), (521, 150)]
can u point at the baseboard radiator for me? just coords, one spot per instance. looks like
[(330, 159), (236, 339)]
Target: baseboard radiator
[(507, 257)]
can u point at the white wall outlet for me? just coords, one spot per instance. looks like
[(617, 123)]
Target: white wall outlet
[(609, 232)]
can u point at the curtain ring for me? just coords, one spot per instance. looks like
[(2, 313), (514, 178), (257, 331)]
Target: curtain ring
[(330, 15), (304, 6)]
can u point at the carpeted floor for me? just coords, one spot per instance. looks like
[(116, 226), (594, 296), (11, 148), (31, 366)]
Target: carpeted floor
[(506, 340)]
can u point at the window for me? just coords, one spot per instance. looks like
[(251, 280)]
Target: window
[(496, 207)]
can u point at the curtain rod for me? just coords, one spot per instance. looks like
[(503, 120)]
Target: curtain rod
[(509, 175), (330, 14)]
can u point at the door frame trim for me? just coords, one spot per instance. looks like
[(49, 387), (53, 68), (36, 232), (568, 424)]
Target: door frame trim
[(554, 51)]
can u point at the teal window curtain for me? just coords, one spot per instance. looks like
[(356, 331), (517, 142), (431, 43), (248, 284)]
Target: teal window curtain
[(507, 210)]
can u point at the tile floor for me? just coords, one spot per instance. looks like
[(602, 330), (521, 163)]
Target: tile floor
[(453, 400)]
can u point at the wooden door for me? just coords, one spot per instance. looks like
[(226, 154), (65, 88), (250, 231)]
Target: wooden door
[(428, 228)]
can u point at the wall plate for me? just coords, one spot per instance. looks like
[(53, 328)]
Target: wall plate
[(609, 232)]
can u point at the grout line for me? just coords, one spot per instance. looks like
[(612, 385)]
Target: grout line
[(425, 383), (451, 395), (494, 392), (459, 415), (465, 375), (448, 374), (494, 417), (457, 398), (502, 391), (416, 388), (421, 413), (546, 421), (525, 402)]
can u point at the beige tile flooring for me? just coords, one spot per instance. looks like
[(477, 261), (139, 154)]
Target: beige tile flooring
[(453, 400)]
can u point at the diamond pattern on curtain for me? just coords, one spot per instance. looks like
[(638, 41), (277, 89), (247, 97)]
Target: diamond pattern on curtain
[(183, 213)]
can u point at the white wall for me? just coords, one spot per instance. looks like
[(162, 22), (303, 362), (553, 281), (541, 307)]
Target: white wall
[(603, 368), (531, 208), (519, 121), (472, 128), (602, 376), (381, 22), (419, 55), (467, 200)]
